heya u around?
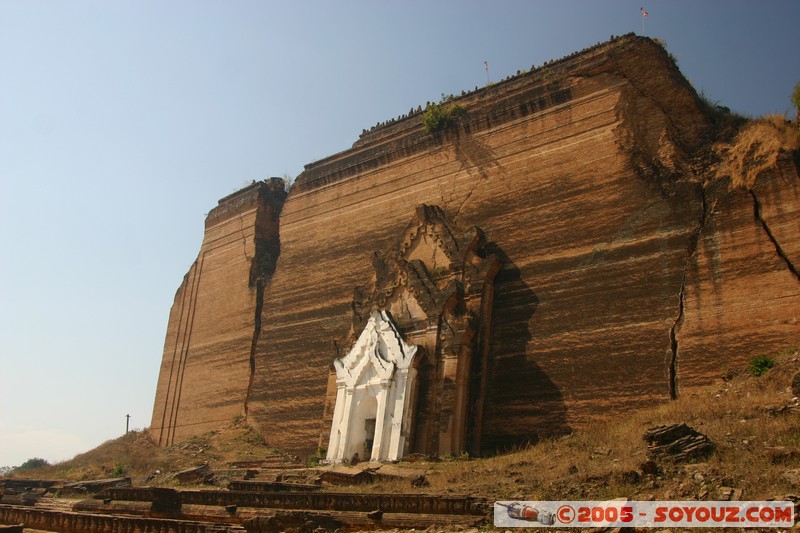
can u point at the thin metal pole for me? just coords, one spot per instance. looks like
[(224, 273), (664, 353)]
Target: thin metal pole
[(644, 16)]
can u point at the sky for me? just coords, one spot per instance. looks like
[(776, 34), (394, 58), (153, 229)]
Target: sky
[(122, 123)]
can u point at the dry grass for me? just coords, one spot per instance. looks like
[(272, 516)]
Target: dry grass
[(132, 452), (599, 462), (755, 148), (603, 460), (137, 455)]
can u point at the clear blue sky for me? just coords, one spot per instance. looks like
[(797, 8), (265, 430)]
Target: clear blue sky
[(122, 123)]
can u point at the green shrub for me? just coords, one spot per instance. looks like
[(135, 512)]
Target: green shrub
[(35, 462), (253, 436), (442, 115), (760, 365), (118, 471), (438, 273)]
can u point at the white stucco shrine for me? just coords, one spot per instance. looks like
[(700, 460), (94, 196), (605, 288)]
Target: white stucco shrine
[(375, 388)]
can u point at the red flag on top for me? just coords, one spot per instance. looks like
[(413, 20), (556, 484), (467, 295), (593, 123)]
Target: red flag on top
[(644, 13)]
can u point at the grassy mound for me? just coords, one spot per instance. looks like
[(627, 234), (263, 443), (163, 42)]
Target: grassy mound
[(136, 455), (750, 415), (754, 149)]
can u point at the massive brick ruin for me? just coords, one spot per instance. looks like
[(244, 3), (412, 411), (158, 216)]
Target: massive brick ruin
[(215, 320), (559, 254)]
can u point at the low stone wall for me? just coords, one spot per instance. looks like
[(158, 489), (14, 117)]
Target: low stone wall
[(388, 503), (65, 522)]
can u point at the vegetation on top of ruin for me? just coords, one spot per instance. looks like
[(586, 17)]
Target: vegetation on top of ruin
[(751, 419), (547, 71), (441, 115), (754, 149), (288, 181), (796, 103)]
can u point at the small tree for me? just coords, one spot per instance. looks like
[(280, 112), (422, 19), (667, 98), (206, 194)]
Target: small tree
[(288, 181), (796, 101), (760, 365), (35, 462), (118, 470)]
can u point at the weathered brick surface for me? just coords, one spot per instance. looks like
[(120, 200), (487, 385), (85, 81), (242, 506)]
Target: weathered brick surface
[(205, 371), (594, 253), (615, 258), (742, 298)]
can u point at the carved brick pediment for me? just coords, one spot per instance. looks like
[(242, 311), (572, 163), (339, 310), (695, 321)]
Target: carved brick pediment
[(435, 288), (427, 275)]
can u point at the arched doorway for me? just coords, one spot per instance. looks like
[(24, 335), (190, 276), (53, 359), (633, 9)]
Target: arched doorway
[(362, 424)]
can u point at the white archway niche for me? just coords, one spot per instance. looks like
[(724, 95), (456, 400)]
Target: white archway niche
[(373, 382)]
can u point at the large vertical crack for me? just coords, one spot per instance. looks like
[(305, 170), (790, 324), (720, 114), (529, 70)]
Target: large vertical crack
[(672, 366), (763, 223), (256, 334), (259, 281), (263, 267), (264, 262), (694, 239)]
